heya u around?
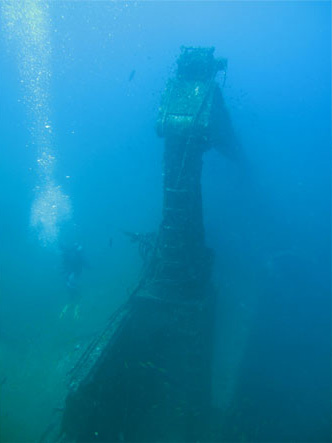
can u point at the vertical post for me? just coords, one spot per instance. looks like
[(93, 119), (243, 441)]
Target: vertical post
[(148, 376), (181, 237)]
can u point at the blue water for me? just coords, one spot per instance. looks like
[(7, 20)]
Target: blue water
[(80, 160)]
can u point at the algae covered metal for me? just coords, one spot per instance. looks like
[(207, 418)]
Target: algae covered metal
[(147, 377)]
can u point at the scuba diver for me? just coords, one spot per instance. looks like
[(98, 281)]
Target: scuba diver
[(73, 263)]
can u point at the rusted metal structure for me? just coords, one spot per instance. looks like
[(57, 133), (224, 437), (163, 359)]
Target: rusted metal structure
[(147, 377)]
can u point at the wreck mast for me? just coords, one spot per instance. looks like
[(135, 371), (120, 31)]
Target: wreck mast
[(148, 376)]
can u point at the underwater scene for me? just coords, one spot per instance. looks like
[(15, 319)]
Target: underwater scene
[(165, 221)]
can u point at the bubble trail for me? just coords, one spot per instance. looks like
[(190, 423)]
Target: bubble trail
[(26, 24)]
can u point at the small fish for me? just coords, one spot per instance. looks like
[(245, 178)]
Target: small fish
[(131, 75), (110, 242)]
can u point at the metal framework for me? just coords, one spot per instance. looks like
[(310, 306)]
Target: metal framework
[(147, 377)]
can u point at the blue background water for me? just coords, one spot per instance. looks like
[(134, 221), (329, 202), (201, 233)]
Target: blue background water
[(270, 226)]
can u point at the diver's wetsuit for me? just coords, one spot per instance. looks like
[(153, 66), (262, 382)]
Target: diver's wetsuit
[(73, 262)]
